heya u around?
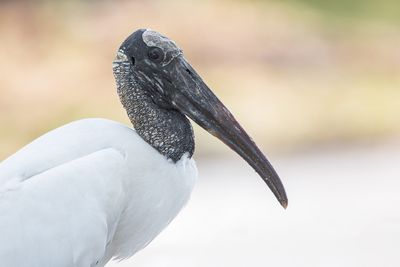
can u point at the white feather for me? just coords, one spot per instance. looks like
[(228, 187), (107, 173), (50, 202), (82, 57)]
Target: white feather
[(85, 193)]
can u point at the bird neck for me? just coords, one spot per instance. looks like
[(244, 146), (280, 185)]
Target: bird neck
[(167, 130)]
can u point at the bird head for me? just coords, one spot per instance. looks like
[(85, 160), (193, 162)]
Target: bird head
[(159, 67)]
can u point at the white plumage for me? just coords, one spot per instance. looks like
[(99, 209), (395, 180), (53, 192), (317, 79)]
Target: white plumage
[(109, 194)]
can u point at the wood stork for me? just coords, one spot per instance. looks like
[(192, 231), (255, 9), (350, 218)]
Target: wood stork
[(95, 189)]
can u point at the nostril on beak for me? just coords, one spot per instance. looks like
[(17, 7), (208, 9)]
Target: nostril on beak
[(189, 72)]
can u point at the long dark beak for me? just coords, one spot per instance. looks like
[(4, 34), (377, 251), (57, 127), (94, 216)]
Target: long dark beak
[(193, 98)]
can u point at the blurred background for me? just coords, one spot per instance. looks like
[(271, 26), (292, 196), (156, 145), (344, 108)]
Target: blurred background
[(316, 83)]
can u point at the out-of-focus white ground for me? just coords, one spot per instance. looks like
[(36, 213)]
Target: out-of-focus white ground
[(344, 210)]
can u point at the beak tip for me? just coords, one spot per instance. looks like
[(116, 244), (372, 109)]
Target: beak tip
[(284, 202)]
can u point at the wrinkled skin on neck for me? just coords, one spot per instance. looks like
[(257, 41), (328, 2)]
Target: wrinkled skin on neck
[(164, 128)]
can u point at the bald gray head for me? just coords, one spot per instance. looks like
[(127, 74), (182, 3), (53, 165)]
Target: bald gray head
[(141, 71), (149, 56), (160, 49), (159, 88)]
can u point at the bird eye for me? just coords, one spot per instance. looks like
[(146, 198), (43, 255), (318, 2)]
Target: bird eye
[(155, 54)]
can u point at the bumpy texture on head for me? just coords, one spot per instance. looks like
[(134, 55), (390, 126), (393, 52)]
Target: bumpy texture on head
[(167, 130), (154, 39)]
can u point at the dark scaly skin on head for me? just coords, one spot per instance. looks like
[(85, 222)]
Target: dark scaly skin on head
[(167, 130), (158, 88)]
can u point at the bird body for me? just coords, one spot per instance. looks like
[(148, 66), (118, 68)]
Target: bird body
[(94, 189), (104, 193)]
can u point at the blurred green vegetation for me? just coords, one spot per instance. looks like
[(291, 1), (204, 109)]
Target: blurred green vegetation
[(295, 73), (359, 9)]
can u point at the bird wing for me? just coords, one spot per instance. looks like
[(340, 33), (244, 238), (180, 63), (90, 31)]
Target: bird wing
[(60, 200), (64, 216), (61, 145)]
